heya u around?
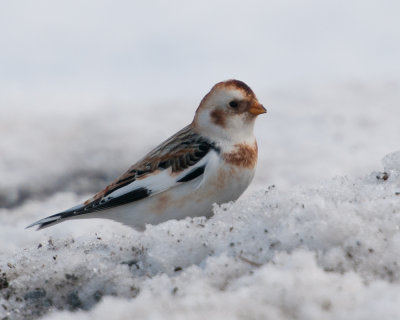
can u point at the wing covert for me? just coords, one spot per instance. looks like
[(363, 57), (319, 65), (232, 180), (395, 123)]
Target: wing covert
[(180, 159)]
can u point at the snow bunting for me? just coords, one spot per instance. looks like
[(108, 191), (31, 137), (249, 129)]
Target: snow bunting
[(212, 160)]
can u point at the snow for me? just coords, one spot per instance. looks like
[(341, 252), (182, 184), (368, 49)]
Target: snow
[(316, 236), (325, 251)]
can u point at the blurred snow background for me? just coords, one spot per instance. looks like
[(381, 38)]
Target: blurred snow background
[(86, 88)]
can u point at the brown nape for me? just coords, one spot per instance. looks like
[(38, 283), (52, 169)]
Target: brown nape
[(244, 155), (218, 117)]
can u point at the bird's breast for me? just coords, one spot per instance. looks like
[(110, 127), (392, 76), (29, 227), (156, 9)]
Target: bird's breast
[(243, 155)]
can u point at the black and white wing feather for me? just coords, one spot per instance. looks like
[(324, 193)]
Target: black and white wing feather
[(180, 159)]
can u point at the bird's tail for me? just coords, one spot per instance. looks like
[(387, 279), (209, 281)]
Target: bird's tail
[(49, 221), (57, 218)]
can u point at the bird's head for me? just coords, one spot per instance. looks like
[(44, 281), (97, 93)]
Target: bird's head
[(228, 111)]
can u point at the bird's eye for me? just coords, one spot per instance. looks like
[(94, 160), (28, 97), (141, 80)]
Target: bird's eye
[(233, 104)]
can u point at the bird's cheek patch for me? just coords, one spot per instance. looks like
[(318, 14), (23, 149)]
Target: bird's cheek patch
[(218, 117)]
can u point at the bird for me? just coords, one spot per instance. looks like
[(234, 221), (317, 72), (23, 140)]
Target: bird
[(212, 160)]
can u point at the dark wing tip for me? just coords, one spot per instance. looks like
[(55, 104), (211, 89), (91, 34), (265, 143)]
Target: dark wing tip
[(131, 196), (193, 174), (46, 222), (94, 206)]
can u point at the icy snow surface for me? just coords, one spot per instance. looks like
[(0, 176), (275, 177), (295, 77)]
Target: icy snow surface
[(328, 251)]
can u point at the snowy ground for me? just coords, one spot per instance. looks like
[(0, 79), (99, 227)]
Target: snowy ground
[(87, 88)]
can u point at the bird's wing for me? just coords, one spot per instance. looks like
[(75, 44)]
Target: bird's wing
[(180, 159)]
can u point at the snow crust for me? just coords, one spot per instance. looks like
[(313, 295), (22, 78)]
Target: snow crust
[(326, 251)]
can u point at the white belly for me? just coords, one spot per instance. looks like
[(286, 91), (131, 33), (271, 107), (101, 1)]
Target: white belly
[(219, 184)]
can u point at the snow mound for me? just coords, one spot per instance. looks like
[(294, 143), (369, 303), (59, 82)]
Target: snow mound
[(391, 162), (327, 251)]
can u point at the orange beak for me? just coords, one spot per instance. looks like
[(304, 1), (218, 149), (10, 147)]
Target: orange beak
[(257, 108)]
